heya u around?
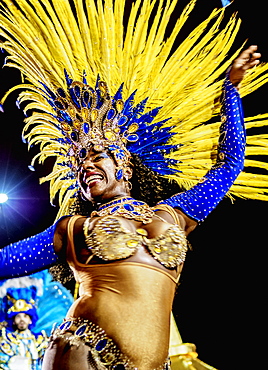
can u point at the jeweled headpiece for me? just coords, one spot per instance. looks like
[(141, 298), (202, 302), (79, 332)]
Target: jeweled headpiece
[(90, 117)]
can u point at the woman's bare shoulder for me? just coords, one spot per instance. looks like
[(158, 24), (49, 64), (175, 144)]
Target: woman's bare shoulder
[(177, 216)]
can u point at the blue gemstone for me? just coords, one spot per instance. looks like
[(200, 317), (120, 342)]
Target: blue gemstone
[(86, 96), (115, 209), (137, 203), (74, 136), (119, 174), (133, 137), (77, 91), (83, 153), (101, 344), (128, 207), (86, 128), (61, 93), (58, 104), (111, 114), (122, 121), (66, 325), (81, 330)]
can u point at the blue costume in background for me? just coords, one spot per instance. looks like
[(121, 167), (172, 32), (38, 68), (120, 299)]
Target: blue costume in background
[(45, 302), (27, 348)]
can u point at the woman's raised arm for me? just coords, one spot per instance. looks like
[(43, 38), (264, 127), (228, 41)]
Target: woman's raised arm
[(201, 199)]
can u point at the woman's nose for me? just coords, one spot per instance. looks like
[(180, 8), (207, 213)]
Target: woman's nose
[(87, 163)]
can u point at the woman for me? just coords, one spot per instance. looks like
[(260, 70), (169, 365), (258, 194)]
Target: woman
[(126, 256), (127, 278)]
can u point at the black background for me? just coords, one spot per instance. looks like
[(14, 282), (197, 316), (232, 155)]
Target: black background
[(220, 304)]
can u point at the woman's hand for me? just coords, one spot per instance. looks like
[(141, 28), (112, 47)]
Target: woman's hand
[(249, 58)]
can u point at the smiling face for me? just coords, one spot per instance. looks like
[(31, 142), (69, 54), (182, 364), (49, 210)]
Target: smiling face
[(97, 177)]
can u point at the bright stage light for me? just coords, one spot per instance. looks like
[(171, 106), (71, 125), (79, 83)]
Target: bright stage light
[(3, 197)]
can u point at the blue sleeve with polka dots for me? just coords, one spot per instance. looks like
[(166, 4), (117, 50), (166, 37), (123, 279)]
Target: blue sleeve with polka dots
[(29, 255), (202, 198)]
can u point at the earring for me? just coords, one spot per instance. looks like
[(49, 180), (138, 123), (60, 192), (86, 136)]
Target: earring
[(119, 174), (128, 185)]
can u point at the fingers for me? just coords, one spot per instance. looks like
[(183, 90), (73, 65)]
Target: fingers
[(248, 58)]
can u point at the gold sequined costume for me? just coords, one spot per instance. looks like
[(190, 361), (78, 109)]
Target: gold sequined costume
[(117, 297)]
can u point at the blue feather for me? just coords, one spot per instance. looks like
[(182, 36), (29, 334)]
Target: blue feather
[(118, 94), (67, 78)]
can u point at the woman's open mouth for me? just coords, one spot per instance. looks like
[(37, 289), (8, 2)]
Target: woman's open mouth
[(92, 179)]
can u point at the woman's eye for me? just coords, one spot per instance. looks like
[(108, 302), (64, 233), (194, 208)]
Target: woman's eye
[(100, 156)]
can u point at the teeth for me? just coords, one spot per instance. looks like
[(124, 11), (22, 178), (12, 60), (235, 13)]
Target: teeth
[(93, 177)]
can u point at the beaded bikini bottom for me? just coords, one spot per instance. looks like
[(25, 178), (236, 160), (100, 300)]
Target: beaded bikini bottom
[(103, 353)]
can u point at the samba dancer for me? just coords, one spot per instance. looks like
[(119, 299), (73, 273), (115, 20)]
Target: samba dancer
[(126, 256)]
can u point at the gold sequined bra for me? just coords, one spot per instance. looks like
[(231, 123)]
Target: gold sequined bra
[(110, 240)]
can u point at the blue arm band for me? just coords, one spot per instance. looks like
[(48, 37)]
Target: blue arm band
[(29, 255), (202, 198)]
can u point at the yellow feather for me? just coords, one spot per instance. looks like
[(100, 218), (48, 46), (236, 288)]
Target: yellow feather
[(42, 37)]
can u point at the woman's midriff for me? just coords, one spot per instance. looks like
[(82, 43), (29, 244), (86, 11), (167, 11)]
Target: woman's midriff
[(132, 303)]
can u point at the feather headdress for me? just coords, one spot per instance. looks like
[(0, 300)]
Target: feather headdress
[(46, 38)]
